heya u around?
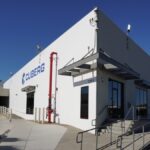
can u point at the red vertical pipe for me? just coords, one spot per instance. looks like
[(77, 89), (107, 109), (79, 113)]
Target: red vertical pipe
[(50, 85)]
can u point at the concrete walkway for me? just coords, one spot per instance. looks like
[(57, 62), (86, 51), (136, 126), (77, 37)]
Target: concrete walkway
[(26, 135), (68, 141)]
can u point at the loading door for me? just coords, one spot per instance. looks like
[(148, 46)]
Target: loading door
[(30, 103)]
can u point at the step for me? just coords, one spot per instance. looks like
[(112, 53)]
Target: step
[(122, 123)]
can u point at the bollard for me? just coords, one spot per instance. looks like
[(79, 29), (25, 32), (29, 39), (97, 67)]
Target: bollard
[(35, 114), (10, 114), (3, 110), (6, 112), (39, 115), (43, 115)]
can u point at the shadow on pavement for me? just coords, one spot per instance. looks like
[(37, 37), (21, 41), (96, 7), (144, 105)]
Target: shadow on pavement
[(8, 148), (5, 139)]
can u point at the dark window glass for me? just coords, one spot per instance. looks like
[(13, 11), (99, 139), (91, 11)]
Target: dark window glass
[(84, 102), (30, 103), (110, 93), (115, 102), (141, 101)]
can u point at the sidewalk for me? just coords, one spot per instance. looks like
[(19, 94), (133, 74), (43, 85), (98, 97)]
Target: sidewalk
[(26, 135)]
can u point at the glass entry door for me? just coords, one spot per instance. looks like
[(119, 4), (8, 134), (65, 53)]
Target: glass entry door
[(116, 99), (141, 102)]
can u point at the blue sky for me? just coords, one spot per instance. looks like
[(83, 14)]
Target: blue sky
[(26, 23)]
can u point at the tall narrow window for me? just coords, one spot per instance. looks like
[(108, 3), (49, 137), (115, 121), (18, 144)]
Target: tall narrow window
[(141, 101), (30, 103), (84, 102)]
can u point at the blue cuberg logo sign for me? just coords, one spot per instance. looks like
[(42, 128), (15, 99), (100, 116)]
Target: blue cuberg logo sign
[(34, 72)]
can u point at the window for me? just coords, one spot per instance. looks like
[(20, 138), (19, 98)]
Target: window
[(141, 101), (30, 103), (84, 102)]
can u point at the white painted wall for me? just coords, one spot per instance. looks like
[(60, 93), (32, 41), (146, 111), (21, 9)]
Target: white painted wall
[(73, 43)]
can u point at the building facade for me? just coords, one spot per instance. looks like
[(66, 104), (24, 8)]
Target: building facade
[(98, 72)]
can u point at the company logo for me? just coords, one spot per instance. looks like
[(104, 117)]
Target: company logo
[(34, 72), (23, 78)]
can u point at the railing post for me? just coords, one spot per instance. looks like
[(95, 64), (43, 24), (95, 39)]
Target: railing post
[(121, 143), (81, 141), (133, 138), (124, 126), (133, 113), (111, 133), (96, 139), (143, 135), (122, 122)]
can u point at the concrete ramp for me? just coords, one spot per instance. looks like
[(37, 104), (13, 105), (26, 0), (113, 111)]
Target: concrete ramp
[(25, 135)]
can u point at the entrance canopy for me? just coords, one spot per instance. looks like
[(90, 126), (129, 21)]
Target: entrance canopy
[(28, 89), (103, 61), (122, 70), (4, 92), (81, 66), (143, 83)]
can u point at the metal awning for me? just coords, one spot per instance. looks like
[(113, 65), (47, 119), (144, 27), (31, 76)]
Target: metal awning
[(28, 88), (4, 92), (143, 83), (104, 61), (115, 67), (79, 67)]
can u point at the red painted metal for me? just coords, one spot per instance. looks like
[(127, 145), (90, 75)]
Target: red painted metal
[(50, 85)]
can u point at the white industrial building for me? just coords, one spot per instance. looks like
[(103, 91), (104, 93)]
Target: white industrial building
[(98, 72)]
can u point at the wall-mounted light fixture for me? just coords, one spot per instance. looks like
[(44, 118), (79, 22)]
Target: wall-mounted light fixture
[(128, 31)]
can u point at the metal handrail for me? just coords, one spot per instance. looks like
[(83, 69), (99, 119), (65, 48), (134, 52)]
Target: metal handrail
[(81, 137), (131, 108), (102, 110), (133, 115), (120, 138), (97, 130), (99, 114)]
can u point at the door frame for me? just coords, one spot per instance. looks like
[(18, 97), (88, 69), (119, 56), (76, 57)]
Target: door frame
[(116, 112)]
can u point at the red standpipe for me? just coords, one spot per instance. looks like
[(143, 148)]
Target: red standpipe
[(50, 86)]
